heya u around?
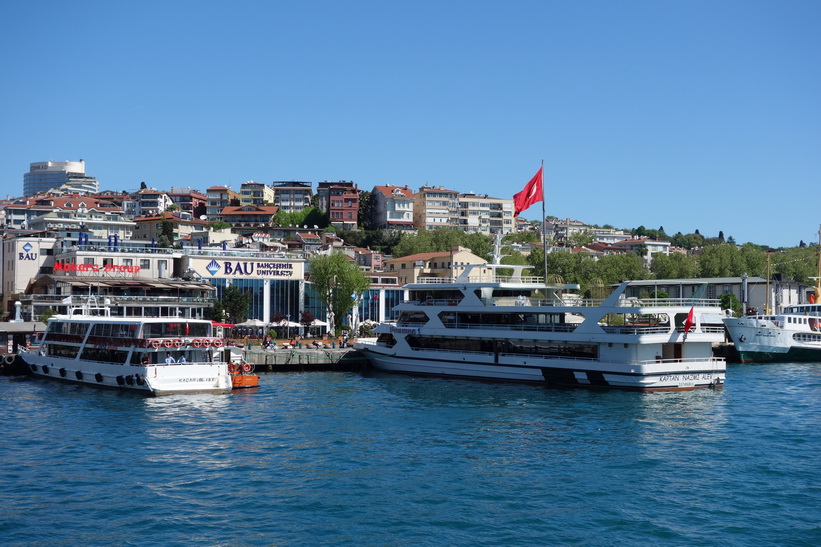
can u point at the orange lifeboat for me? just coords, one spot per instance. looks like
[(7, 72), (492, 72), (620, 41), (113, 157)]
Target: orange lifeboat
[(241, 375)]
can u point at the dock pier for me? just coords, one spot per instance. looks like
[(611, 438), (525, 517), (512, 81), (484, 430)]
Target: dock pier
[(305, 360)]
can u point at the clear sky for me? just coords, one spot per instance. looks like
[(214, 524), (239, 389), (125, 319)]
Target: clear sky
[(683, 114)]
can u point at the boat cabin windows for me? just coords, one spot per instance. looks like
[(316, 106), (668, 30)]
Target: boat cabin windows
[(413, 317), (534, 321), (386, 339), (115, 330), (78, 329), (175, 329), (436, 296), (105, 355), (60, 350)]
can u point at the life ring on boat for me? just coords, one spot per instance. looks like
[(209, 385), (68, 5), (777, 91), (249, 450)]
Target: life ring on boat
[(206, 342), (811, 298), (247, 367), (196, 342), (168, 342), (155, 344), (9, 359), (218, 343), (177, 343)]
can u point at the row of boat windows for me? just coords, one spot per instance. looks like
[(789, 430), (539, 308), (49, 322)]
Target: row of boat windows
[(117, 356), (806, 337), (450, 319), (130, 330), (549, 348), (803, 309)]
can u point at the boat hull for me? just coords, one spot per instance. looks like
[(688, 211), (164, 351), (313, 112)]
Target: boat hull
[(148, 380), (556, 372)]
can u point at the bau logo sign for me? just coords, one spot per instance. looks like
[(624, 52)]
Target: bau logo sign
[(27, 254)]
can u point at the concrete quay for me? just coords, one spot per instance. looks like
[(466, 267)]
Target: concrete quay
[(305, 360)]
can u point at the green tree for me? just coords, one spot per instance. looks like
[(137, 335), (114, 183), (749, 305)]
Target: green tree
[(621, 267), (219, 225), (720, 261), (729, 301), (580, 239), (336, 280), (165, 237), (440, 240), (673, 266), (43, 318), (236, 303), (366, 210)]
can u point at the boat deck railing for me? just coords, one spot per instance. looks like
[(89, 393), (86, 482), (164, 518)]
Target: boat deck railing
[(569, 327), (637, 363), (575, 302)]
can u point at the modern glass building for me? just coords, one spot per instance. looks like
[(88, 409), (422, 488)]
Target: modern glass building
[(69, 176)]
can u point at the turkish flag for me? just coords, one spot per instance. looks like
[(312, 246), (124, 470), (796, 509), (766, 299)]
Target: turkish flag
[(690, 322), (530, 195)]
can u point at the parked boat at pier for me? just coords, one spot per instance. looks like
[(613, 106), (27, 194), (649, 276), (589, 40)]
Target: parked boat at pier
[(792, 335), (483, 325), (151, 355)]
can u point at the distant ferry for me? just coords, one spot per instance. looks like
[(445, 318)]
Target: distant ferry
[(488, 326), (793, 335), (150, 355)]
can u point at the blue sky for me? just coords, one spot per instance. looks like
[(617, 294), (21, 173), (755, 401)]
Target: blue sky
[(688, 115)]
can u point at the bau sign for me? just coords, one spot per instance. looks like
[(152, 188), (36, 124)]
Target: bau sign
[(27, 254)]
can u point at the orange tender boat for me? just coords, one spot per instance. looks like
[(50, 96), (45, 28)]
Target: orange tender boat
[(241, 376)]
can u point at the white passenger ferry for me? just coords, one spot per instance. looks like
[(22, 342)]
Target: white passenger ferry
[(155, 356), (483, 325), (792, 335)]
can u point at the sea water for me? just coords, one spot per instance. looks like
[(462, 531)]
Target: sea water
[(379, 459)]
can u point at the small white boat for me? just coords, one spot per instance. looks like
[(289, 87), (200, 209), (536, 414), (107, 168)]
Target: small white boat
[(515, 328), (150, 355)]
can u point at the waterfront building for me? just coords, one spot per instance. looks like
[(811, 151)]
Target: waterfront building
[(484, 214), (218, 198), (256, 193), (42, 270), (67, 176), (392, 207), (435, 208), (292, 197)]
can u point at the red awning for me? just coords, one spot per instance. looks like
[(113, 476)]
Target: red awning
[(214, 323)]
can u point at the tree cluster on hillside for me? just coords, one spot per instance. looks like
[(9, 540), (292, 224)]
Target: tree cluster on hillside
[(443, 239), (310, 217)]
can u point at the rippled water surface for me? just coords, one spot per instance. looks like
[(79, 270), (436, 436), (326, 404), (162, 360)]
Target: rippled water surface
[(373, 459)]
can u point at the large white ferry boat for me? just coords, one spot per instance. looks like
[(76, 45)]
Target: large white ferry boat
[(483, 325), (151, 355)]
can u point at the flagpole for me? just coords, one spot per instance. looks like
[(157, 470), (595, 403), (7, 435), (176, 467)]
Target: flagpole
[(544, 229)]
